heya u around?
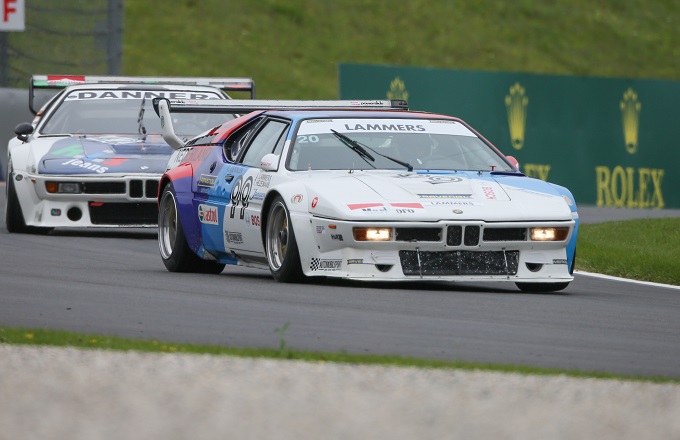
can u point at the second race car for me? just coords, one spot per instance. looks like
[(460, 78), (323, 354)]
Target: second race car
[(93, 155)]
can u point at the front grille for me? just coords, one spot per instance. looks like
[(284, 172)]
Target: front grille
[(136, 189), (124, 214), (454, 235), (471, 236), (505, 234), (418, 234), (459, 262), (151, 189), (103, 187)]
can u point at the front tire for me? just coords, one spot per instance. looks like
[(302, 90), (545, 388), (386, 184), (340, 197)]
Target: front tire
[(172, 243), (281, 247)]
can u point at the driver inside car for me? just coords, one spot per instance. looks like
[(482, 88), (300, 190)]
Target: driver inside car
[(412, 149)]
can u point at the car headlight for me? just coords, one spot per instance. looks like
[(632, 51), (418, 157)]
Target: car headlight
[(63, 187), (373, 234), (549, 234)]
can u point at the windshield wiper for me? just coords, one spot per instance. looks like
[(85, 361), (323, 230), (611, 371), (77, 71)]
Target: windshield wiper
[(361, 150), (354, 145)]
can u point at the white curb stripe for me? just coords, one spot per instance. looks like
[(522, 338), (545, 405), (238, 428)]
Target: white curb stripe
[(609, 277)]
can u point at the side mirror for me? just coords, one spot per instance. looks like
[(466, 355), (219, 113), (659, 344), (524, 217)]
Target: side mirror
[(270, 162), (23, 130), (513, 161)]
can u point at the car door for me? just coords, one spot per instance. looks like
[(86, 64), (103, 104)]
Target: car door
[(248, 184)]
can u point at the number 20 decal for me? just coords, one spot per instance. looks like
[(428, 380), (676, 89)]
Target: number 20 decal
[(240, 193), (308, 139)]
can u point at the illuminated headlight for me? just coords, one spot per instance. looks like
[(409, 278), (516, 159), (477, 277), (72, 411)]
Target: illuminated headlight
[(63, 187), (373, 234), (549, 234)]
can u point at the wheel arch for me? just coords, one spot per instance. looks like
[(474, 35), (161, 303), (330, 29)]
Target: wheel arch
[(181, 179)]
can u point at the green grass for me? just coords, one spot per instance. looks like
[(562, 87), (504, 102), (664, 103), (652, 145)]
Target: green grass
[(647, 250), (58, 338), (292, 47)]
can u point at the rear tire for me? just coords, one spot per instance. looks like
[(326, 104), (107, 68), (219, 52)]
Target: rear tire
[(14, 217), (172, 243), (541, 287), (281, 247)]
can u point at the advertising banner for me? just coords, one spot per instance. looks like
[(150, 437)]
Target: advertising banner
[(612, 141)]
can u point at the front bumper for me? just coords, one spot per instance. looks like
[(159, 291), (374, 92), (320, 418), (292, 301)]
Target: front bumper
[(444, 250), (103, 201)]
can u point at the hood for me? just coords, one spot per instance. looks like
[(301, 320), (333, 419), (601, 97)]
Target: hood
[(411, 196), (106, 154)]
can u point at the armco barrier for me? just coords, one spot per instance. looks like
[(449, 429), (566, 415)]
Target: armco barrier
[(613, 142), (13, 110)]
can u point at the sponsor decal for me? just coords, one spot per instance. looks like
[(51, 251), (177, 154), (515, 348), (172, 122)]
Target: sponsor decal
[(408, 205), (297, 198), (336, 237), (315, 200), (629, 187), (384, 127), (429, 178), (489, 192), (233, 237), (559, 261), (452, 203), (568, 200), (19, 177), (405, 211), (257, 196), (207, 214), (138, 94), (320, 229), (55, 212), (114, 161), (86, 165), (445, 196), (263, 180), (207, 181), (355, 261), (65, 80), (323, 265), (254, 220), (356, 206)]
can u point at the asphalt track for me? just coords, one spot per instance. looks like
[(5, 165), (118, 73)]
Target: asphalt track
[(113, 282)]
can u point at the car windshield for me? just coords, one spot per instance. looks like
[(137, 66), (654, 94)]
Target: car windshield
[(394, 144), (121, 116)]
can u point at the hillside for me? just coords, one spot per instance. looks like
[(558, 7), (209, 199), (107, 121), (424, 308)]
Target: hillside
[(292, 47)]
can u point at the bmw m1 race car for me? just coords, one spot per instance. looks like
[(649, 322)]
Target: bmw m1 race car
[(93, 155), (358, 190)]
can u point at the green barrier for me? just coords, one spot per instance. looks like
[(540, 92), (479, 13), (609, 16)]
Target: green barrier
[(613, 142)]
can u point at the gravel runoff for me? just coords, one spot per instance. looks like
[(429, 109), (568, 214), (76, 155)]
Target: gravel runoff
[(66, 393)]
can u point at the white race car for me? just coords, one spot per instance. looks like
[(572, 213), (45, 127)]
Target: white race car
[(93, 155), (358, 190)]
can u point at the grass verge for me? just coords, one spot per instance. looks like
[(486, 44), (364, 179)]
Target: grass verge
[(59, 338), (646, 250)]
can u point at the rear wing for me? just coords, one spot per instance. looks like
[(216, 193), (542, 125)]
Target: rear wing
[(61, 81), (164, 107)]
